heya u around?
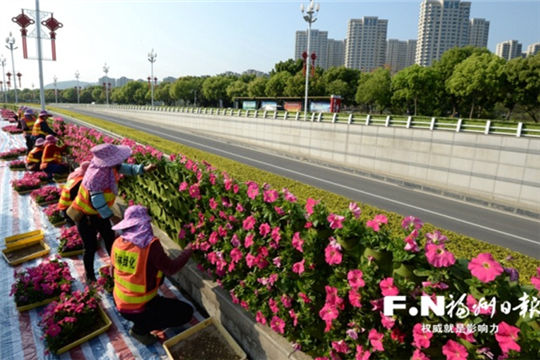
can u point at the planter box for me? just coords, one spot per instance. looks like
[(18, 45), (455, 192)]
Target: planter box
[(45, 203), (26, 191), (70, 253), (59, 223), (24, 237), (92, 335), (207, 332), (25, 251), (36, 304)]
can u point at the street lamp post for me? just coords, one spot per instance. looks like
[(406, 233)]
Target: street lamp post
[(4, 85), (10, 41), (152, 58), (106, 71), (55, 90), (77, 74), (310, 18)]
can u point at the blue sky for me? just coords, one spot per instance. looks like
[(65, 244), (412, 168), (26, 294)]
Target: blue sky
[(210, 37)]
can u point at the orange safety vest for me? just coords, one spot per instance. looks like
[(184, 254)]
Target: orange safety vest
[(83, 203), (36, 129), (51, 154), (131, 291), (34, 156), (29, 125), (65, 194)]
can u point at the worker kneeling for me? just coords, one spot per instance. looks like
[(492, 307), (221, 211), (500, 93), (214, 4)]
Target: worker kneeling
[(139, 262)]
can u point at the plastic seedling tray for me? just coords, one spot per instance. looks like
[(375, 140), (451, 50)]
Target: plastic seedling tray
[(24, 237), (25, 251)]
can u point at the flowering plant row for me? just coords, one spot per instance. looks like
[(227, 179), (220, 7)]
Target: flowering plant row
[(17, 165), (320, 278), (27, 182), (54, 214), (70, 318), (46, 194), (12, 154), (105, 279), (70, 240), (12, 129), (44, 281)]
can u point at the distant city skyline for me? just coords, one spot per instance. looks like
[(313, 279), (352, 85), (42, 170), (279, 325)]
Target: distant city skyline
[(211, 37)]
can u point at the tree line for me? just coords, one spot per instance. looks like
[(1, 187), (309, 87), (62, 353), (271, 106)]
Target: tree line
[(465, 82)]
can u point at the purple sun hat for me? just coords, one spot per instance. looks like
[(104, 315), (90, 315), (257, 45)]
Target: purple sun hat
[(133, 216), (28, 112), (44, 113), (50, 139), (107, 155), (39, 142)]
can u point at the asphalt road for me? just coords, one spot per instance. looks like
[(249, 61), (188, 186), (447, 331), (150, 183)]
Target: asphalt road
[(501, 228)]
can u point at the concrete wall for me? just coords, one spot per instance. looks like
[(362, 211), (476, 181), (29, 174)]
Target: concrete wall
[(494, 169)]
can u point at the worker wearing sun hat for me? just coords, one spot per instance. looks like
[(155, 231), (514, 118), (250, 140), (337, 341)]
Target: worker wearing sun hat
[(71, 188), (41, 128), (51, 161), (139, 263), (33, 159), (91, 209), (26, 123)]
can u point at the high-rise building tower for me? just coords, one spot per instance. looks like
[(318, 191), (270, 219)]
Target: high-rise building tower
[(366, 43), (396, 54), (533, 49), (335, 55), (508, 49), (411, 53), (317, 45), (478, 32), (442, 25)]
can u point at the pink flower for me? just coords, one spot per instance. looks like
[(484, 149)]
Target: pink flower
[(340, 346), (194, 191), (418, 355), (294, 317), (248, 241), (273, 306), (388, 288), (535, 280), (473, 305), (454, 351), (298, 267), (485, 268), (386, 321), (250, 260), (336, 221), (377, 221), (297, 242), (411, 220), (438, 256), (249, 223), (352, 333), (310, 204), (355, 210), (286, 301), (375, 339), (328, 313), (436, 238), (304, 298), (212, 203), (506, 336), (53, 330), (332, 255), (410, 243), (277, 324), (421, 338), (253, 190), (236, 255), (239, 207), (355, 298), (264, 229), (269, 196), (355, 279), (288, 195), (361, 354)]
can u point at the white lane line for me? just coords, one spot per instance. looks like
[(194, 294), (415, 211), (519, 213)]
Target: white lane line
[(347, 187)]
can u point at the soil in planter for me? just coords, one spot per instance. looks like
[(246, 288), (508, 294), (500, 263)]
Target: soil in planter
[(23, 252), (204, 344)]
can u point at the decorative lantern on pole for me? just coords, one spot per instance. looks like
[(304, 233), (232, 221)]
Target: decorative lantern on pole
[(19, 76), (52, 24), (23, 21)]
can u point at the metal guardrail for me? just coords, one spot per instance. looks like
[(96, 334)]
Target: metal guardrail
[(410, 122)]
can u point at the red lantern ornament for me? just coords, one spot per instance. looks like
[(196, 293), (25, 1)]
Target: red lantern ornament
[(23, 21), (52, 24)]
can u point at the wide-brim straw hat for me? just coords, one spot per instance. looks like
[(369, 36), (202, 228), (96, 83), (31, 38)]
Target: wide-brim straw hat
[(107, 155), (39, 142), (133, 216)]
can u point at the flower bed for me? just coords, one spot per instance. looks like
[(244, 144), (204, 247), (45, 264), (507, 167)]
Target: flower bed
[(54, 215), (73, 317), (46, 195), (17, 165), (320, 278), (26, 184), (105, 279), (70, 242), (12, 129), (12, 154), (45, 281)]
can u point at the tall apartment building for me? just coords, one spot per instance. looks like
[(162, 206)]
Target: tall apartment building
[(400, 54), (533, 49), (478, 32), (442, 25), (508, 49), (366, 43), (317, 45), (335, 54), (411, 52)]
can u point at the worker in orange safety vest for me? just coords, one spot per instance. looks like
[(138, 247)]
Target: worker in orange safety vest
[(71, 188), (41, 128), (33, 159), (51, 160)]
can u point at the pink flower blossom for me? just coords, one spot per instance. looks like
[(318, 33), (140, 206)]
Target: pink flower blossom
[(252, 190), (248, 241), (250, 260), (333, 298), (355, 209), (194, 191), (361, 354), (355, 298), (375, 339), (297, 242), (355, 279), (535, 280), (377, 221), (387, 321), (410, 242), (288, 195), (269, 196), (298, 267), (273, 306), (411, 220), (277, 261), (286, 301), (310, 204), (236, 255), (332, 255), (454, 351), (352, 333), (212, 203), (485, 268), (249, 223), (294, 317), (418, 355), (340, 346), (436, 238), (328, 313), (438, 256), (473, 305), (239, 207), (304, 298), (336, 221), (421, 338), (506, 336), (264, 229), (260, 318), (277, 324), (388, 288)]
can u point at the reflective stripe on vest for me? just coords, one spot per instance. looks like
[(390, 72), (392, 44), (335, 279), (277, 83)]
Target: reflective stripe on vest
[(130, 282), (36, 129), (83, 203), (30, 125), (34, 156), (65, 195), (55, 157)]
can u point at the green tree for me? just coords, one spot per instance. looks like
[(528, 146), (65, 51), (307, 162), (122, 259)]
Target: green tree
[(347, 76), (98, 94), (215, 88), (186, 88), (415, 84), (291, 66), (376, 89), (275, 86), (163, 93), (477, 79), (257, 87), (69, 95), (296, 86), (237, 88)]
